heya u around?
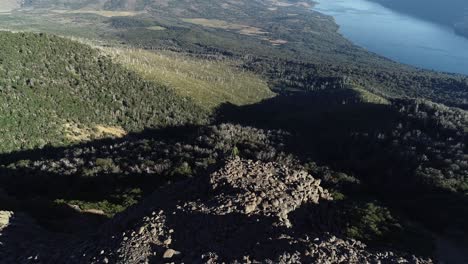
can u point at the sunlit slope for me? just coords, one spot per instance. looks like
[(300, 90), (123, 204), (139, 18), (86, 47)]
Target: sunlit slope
[(208, 82), (54, 90)]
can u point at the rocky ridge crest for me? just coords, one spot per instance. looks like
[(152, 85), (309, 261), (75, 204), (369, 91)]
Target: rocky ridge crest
[(239, 214), (246, 212)]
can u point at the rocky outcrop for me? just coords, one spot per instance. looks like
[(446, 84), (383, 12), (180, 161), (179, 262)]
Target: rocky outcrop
[(246, 212), (5, 217), (269, 189), (240, 214)]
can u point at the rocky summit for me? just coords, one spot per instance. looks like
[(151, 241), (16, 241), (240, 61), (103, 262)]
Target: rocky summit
[(246, 212)]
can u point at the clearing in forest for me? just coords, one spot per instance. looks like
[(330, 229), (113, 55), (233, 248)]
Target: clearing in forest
[(221, 24), (208, 82)]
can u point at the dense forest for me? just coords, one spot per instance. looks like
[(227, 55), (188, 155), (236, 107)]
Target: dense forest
[(292, 43), (49, 84)]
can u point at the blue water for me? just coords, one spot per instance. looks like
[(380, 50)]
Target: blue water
[(397, 36)]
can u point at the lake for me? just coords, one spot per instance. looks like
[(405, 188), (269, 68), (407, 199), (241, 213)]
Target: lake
[(398, 36)]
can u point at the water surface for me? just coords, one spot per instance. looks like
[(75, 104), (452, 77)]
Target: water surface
[(398, 36)]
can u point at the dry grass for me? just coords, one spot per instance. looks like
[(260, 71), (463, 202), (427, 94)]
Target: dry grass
[(77, 133), (156, 28), (286, 4), (103, 13), (117, 132), (221, 24), (278, 42), (209, 83), (280, 4), (369, 97)]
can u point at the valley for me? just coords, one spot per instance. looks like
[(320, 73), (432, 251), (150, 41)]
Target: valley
[(221, 131)]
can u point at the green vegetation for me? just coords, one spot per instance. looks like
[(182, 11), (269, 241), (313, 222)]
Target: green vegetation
[(372, 221), (402, 151), (208, 83), (378, 225), (116, 203), (295, 52), (114, 174), (48, 82)]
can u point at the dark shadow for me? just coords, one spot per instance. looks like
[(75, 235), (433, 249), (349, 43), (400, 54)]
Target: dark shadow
[(317, 219), (336, 128), (333, 127), (231, 236), (33, 180), (325, 124), (168, 133)]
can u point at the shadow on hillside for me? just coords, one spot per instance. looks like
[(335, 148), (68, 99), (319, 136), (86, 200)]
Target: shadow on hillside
[(230, 236), (111, 170), (337, 129), (326, 126), (35, 181), (173, 133)]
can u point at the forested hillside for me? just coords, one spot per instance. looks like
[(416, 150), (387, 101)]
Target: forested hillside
[(337, 135), (295, 46), (54, 90)]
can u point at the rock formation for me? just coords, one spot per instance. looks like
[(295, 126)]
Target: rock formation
[(246, 212)]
